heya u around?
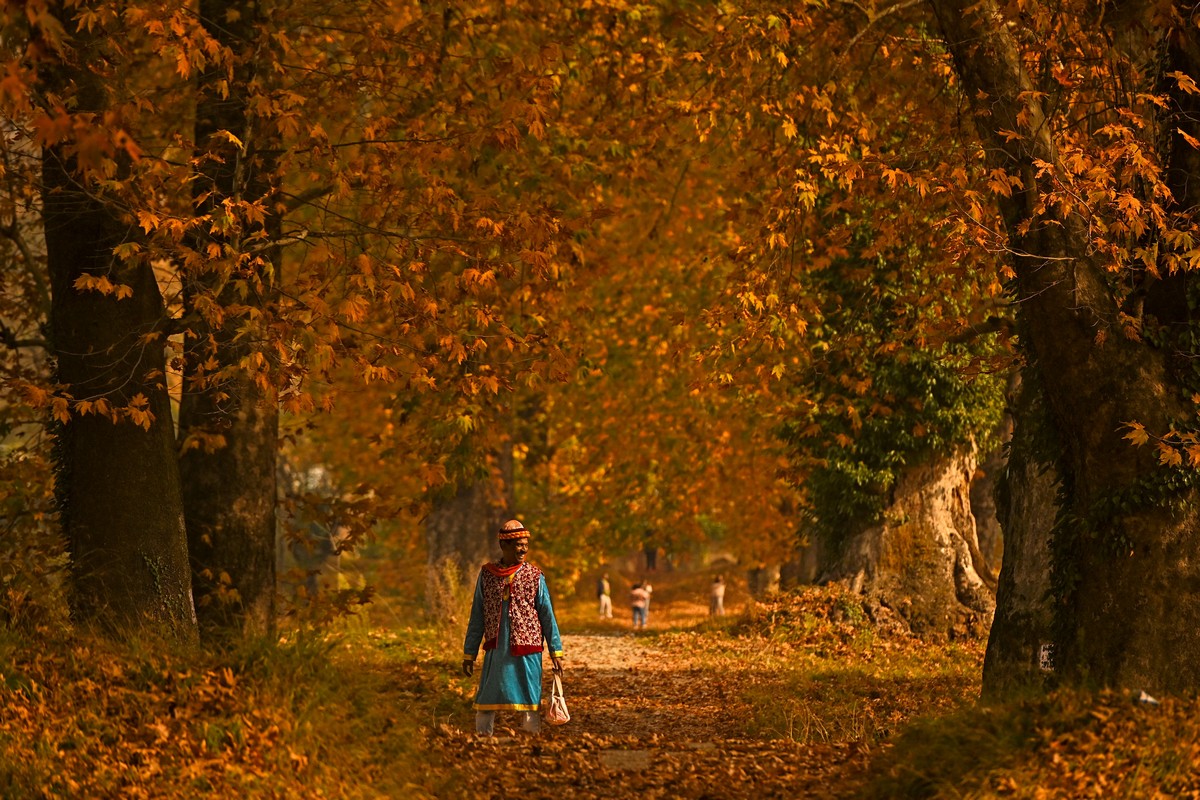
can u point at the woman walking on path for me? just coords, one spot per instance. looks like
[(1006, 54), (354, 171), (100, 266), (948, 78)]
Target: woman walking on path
[(511, 616)]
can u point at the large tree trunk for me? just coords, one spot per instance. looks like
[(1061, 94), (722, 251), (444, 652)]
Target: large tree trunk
[(117, 481), (460, 532), (229, 495), (228, 415), (921, 560), (1019, 651), (1126, 552), (462, 525)]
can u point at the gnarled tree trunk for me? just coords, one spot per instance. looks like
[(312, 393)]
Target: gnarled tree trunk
[(921, 560), (988, 529)]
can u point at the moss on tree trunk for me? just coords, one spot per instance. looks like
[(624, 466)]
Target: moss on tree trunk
[(920, 562)]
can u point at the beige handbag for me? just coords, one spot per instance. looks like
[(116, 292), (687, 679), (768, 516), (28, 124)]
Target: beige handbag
[(556, 712)]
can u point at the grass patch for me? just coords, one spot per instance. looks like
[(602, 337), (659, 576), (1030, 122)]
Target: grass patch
[(840, 703), (812, 668)]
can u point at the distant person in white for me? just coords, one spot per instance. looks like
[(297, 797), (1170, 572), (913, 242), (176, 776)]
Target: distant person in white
[(604, 593), (716, 601)]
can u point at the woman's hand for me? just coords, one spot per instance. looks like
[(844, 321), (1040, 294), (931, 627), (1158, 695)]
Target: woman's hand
[(468, 667), (557, 662)]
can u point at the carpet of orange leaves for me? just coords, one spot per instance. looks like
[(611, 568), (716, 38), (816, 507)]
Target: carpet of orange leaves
[(646, 722)]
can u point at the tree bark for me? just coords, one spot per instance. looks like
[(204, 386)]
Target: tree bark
[(920, 562), (117, 481), (460, 532), (228, 414), (983, 507), (1019, 651), (1126, 544)]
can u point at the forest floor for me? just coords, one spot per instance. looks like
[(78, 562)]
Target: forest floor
[(647, 721), (691, 709), (802, 697), (798, 697)]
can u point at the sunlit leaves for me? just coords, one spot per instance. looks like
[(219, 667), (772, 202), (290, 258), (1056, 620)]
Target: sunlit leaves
[(102, 285)]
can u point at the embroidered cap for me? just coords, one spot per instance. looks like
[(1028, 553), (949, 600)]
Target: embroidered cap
[(513, 529)]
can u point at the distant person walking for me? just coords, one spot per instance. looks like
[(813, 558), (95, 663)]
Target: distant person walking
[(649, 590), (512, 617), (651, 552), (716, 600), (638, 599), (604, 594)]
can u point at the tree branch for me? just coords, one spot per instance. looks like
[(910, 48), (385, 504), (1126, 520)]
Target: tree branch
[(873, 17), (972, 332), (10, 340)]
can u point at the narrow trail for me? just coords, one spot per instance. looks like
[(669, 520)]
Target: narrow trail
[(625, 686), (645, 723)]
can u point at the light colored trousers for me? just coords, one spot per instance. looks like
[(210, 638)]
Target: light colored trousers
[(606, 606), (485, 722)]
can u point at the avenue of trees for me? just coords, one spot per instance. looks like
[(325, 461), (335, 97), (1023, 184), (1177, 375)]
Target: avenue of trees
[(794, 277)]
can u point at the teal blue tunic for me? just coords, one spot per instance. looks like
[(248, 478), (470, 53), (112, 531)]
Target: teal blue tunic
[(508, 682)]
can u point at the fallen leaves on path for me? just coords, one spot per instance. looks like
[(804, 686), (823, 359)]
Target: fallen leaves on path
[(558, 764), (646, 722)]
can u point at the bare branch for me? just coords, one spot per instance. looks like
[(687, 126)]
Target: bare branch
[(875, 16), (972, 332), (10, 340), (12, 232)]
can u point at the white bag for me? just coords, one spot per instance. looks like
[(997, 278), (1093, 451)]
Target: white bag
[(556, 713)]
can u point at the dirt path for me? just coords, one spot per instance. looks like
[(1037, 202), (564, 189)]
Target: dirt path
[(645, 723), (625, 686)]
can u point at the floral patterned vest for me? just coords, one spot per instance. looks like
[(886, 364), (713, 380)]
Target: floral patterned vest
[(525, 629)]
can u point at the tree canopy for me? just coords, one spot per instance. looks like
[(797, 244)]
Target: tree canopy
[(703, 275)]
